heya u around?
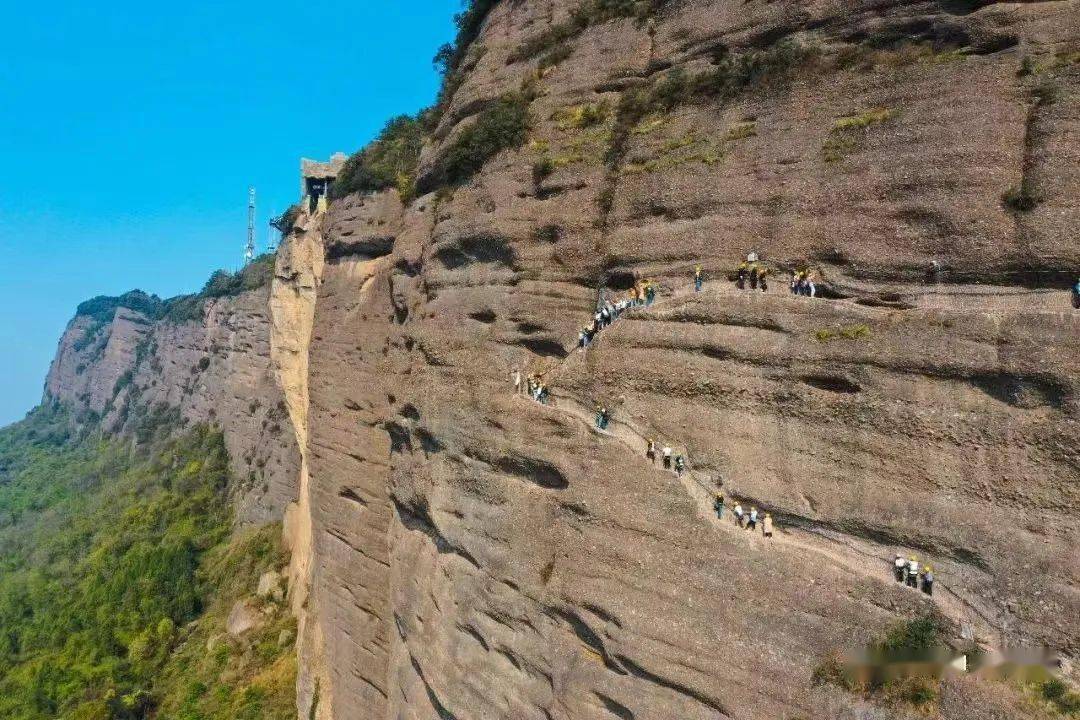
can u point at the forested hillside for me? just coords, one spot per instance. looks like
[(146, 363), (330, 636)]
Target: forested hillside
[(118, 567)]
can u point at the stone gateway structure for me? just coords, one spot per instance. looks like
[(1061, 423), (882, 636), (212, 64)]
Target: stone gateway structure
[(316, 179)]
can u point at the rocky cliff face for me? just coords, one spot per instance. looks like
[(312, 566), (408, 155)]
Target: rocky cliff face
[(460, 551), (477, 555), (135, 372)]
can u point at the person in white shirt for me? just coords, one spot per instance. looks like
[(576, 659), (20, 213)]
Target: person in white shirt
[(667, 457), (899, 565)]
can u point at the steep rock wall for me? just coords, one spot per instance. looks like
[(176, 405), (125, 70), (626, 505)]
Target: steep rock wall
[(131, 370), (476, 555)]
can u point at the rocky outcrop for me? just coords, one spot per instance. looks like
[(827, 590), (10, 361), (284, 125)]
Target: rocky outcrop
[(460, 551), (138, 373), (475, 554)]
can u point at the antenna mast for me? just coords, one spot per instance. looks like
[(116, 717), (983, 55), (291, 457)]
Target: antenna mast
[(249, 251)]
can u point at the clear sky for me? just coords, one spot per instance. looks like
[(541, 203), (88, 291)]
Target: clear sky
[(130, 132)]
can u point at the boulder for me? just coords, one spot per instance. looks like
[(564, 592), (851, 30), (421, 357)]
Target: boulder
[(242, 618)]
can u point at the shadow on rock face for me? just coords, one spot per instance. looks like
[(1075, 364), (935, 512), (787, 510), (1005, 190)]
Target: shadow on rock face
[(540, 472), (1022, 391)]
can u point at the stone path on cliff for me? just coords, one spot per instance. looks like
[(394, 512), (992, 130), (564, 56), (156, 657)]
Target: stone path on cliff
[(857, 556)]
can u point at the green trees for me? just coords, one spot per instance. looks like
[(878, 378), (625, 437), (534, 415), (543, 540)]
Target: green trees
[(502, 125), (102, 550), (388, 162)]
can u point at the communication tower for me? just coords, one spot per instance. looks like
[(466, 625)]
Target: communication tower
[(249, 250)]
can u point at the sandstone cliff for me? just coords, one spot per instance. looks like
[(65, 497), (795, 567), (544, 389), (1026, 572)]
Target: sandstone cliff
[(462, 552), (134, 371), (477, 555)]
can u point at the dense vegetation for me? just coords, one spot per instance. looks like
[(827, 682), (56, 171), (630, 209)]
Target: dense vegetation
[(110, 558), (387, 162), (222, 283), (502, 125), (103, 307), (182, 308)]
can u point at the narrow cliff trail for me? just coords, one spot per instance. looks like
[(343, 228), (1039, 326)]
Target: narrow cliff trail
[(802, 539)]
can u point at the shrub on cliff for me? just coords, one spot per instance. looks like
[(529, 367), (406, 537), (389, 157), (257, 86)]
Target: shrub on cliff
[(591, 12), (285, 222), (222, 283), (103, 307), (503, 125), (388, 162)]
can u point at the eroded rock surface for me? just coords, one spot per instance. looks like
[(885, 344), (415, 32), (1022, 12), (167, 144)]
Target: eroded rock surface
[(478, 555), (462, 552), (135, 373)]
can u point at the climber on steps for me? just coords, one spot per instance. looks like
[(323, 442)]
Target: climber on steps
[(751, 523), (718, 506), (650, 451), (667, 457), (742, 274), (754, 275), (913, 572), (762, 284), (515, 375), (899, 567), (739, 515), (650, 292), (928, 580), (602, 418), (680, 465), (697, 278), (767, 526)]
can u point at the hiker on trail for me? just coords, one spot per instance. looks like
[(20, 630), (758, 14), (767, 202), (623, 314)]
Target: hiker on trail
[(650, 451), (650, 292), (680, 465), (913, 572), (766, 526), (697, 278), (738, 512), (1076, 294), (601, 418), (753, 275), (762, 272), (667, 457), (542, 395), (899, 567), (928, 580), (718, 506), (796, 282), (741, 275), (515, 375), (751, 524)]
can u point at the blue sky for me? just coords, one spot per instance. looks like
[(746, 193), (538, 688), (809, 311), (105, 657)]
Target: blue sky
[(130, 132)]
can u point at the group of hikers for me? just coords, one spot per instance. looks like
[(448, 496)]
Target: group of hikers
[(802, 283), (643, 293), (752, 272), (668, 459), (745, 520), (533, 385), (909, 573)]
